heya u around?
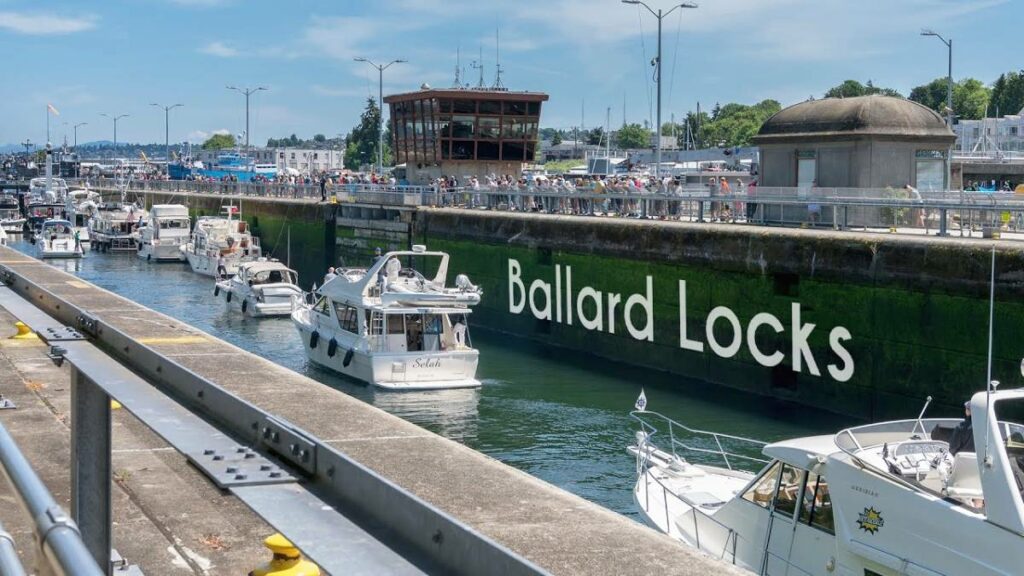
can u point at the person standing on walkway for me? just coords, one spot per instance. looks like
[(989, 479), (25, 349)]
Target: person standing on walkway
[(323, 189)]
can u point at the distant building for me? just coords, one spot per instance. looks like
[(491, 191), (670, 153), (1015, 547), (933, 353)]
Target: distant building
[(566, 150), (991, 135), (462, 133), (667, 142), (863, 142), (304, 160)]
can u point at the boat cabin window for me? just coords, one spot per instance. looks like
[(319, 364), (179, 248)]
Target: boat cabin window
[(817, 505), (761, 491), (396, 324), (321, 306), (348, 317), (414, 332), (789, 490), (174, 224)]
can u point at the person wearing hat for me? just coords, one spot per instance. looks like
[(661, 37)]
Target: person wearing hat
[(962, 439), (376, 254)]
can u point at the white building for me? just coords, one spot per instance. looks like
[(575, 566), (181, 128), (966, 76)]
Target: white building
[(302, 159), (991, 135)]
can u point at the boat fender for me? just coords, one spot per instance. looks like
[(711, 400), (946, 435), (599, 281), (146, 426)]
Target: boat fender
[(313, 339), (148, 256), (332, 348), (229, 296), (216, 289), (245, 305), (348, 357)]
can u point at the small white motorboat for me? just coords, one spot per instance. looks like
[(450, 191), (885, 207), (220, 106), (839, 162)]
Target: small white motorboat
[(393, 327), (216, 237), (163, 235), (260, 289), (11, 220), (926, 497), (57, 239)]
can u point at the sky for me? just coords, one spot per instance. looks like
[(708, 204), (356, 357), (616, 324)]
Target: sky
[(119, 56)]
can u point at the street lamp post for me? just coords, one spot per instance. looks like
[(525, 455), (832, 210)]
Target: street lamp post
[(76, 133), (167, 132), (78, 159), (657, 132), (949, 100), (380, 107), (247, 92), (115, 119)]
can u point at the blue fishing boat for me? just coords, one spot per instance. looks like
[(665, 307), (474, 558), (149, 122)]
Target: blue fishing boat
[(233, 164)]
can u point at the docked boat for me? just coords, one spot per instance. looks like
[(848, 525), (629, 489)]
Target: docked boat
[(56, 239), (11, 220), (260, 289), (221, 237), (39, 211), (43, 189), (228, 165), (391, 326), (112, 227), (924, 497), (163, 235), (80, 207)]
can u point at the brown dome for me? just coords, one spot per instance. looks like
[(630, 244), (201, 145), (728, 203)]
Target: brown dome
[(833, 118)]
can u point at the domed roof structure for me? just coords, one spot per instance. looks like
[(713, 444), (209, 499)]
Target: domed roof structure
[(843, 118)]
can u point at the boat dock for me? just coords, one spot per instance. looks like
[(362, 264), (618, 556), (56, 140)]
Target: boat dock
[(356, 489)]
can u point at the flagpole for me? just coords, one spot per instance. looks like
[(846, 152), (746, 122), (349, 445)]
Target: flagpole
[(47, 123)]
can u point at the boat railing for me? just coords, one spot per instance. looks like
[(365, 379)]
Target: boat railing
[(694, 514), (703, 443)]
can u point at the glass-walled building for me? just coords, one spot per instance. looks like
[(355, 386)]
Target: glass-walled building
[(464, 132)]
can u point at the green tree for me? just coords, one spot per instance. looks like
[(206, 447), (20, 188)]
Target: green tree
[(970, 97), (853, 88), (219, 142), (595, 137), (556, 138), (634, 136), (363, 139), (1008, 94), (319, 138), (735, 124)]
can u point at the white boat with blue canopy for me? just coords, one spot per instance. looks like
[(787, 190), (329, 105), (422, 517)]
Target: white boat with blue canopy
[(393, 327), (926, 497)]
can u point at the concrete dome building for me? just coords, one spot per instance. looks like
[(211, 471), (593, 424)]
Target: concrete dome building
[(862, 142)]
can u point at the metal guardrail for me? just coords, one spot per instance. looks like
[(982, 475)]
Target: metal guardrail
[(660, 421), (300, 485), (833, 208)]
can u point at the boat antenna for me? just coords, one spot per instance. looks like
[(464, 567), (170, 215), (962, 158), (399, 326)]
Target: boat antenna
[(458, 66), (497, 61), (921, 415), (479, 65), (990, 384)]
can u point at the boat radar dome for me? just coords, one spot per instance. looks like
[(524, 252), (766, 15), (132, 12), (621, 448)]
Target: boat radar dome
[(419, 248), (424, 86)]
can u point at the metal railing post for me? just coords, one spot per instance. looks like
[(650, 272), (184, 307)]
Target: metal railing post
[(91, 471), (10, 564)]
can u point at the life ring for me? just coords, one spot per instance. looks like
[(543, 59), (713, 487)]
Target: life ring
[(348, 357), (216, 289), (313, 339), (229, 296), (332, 348), (245, 306)]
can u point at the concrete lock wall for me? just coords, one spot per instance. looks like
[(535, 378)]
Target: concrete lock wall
[(911, 315)]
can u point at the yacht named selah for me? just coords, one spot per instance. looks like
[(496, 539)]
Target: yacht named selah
[(391, 326)]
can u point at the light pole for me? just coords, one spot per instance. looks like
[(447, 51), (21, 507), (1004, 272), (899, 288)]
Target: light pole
[(115, 119), (657, 132), (380, 107), (78, 159), (949, 101), (167, 132), (76, 133), (248, 92)]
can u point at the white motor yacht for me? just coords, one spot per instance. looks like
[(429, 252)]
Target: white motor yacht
[(221, 236), (11, 220), (56, 239), (45, 189), (167, 230), (81, 207), (112, 227), (262, 288), (924, 497), (391, 326)]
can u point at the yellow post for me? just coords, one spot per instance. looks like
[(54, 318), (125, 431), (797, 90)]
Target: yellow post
[(24, 332), (287, 560)]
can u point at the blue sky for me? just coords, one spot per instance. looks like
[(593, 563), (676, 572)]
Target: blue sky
[(117, 56)]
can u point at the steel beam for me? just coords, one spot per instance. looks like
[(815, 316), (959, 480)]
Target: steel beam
[(91, 470)]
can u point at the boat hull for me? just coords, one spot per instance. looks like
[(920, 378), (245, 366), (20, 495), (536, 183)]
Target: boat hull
[(278, 306), (161, 252), (399, 371)]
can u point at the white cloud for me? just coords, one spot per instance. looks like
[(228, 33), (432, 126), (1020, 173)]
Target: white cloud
[(40, 24), (220, 49), (203, 135)]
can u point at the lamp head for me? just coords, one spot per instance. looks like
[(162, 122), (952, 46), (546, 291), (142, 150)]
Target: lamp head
[(928, 32), (630, 1), (360, 59), (688, 5)]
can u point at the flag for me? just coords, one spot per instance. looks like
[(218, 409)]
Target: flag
[(53, 110), (641, 401)]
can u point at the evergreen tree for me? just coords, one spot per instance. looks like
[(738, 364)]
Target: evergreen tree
[(364, 139)]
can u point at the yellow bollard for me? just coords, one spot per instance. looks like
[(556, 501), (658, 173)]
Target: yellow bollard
[(115, 405), (287, 560), (24, 332)]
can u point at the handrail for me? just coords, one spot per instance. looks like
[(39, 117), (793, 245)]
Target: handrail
[(10, 564), (639, 415), (56, 534)]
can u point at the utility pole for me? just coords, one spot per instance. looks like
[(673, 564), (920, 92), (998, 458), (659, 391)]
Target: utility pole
[(247, 92), (76, 133), (949, 101), (657, 63), (167, 130), (115, 119), (380, 106)]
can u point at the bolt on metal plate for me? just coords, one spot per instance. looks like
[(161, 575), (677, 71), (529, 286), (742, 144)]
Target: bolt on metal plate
[(240, 466)]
